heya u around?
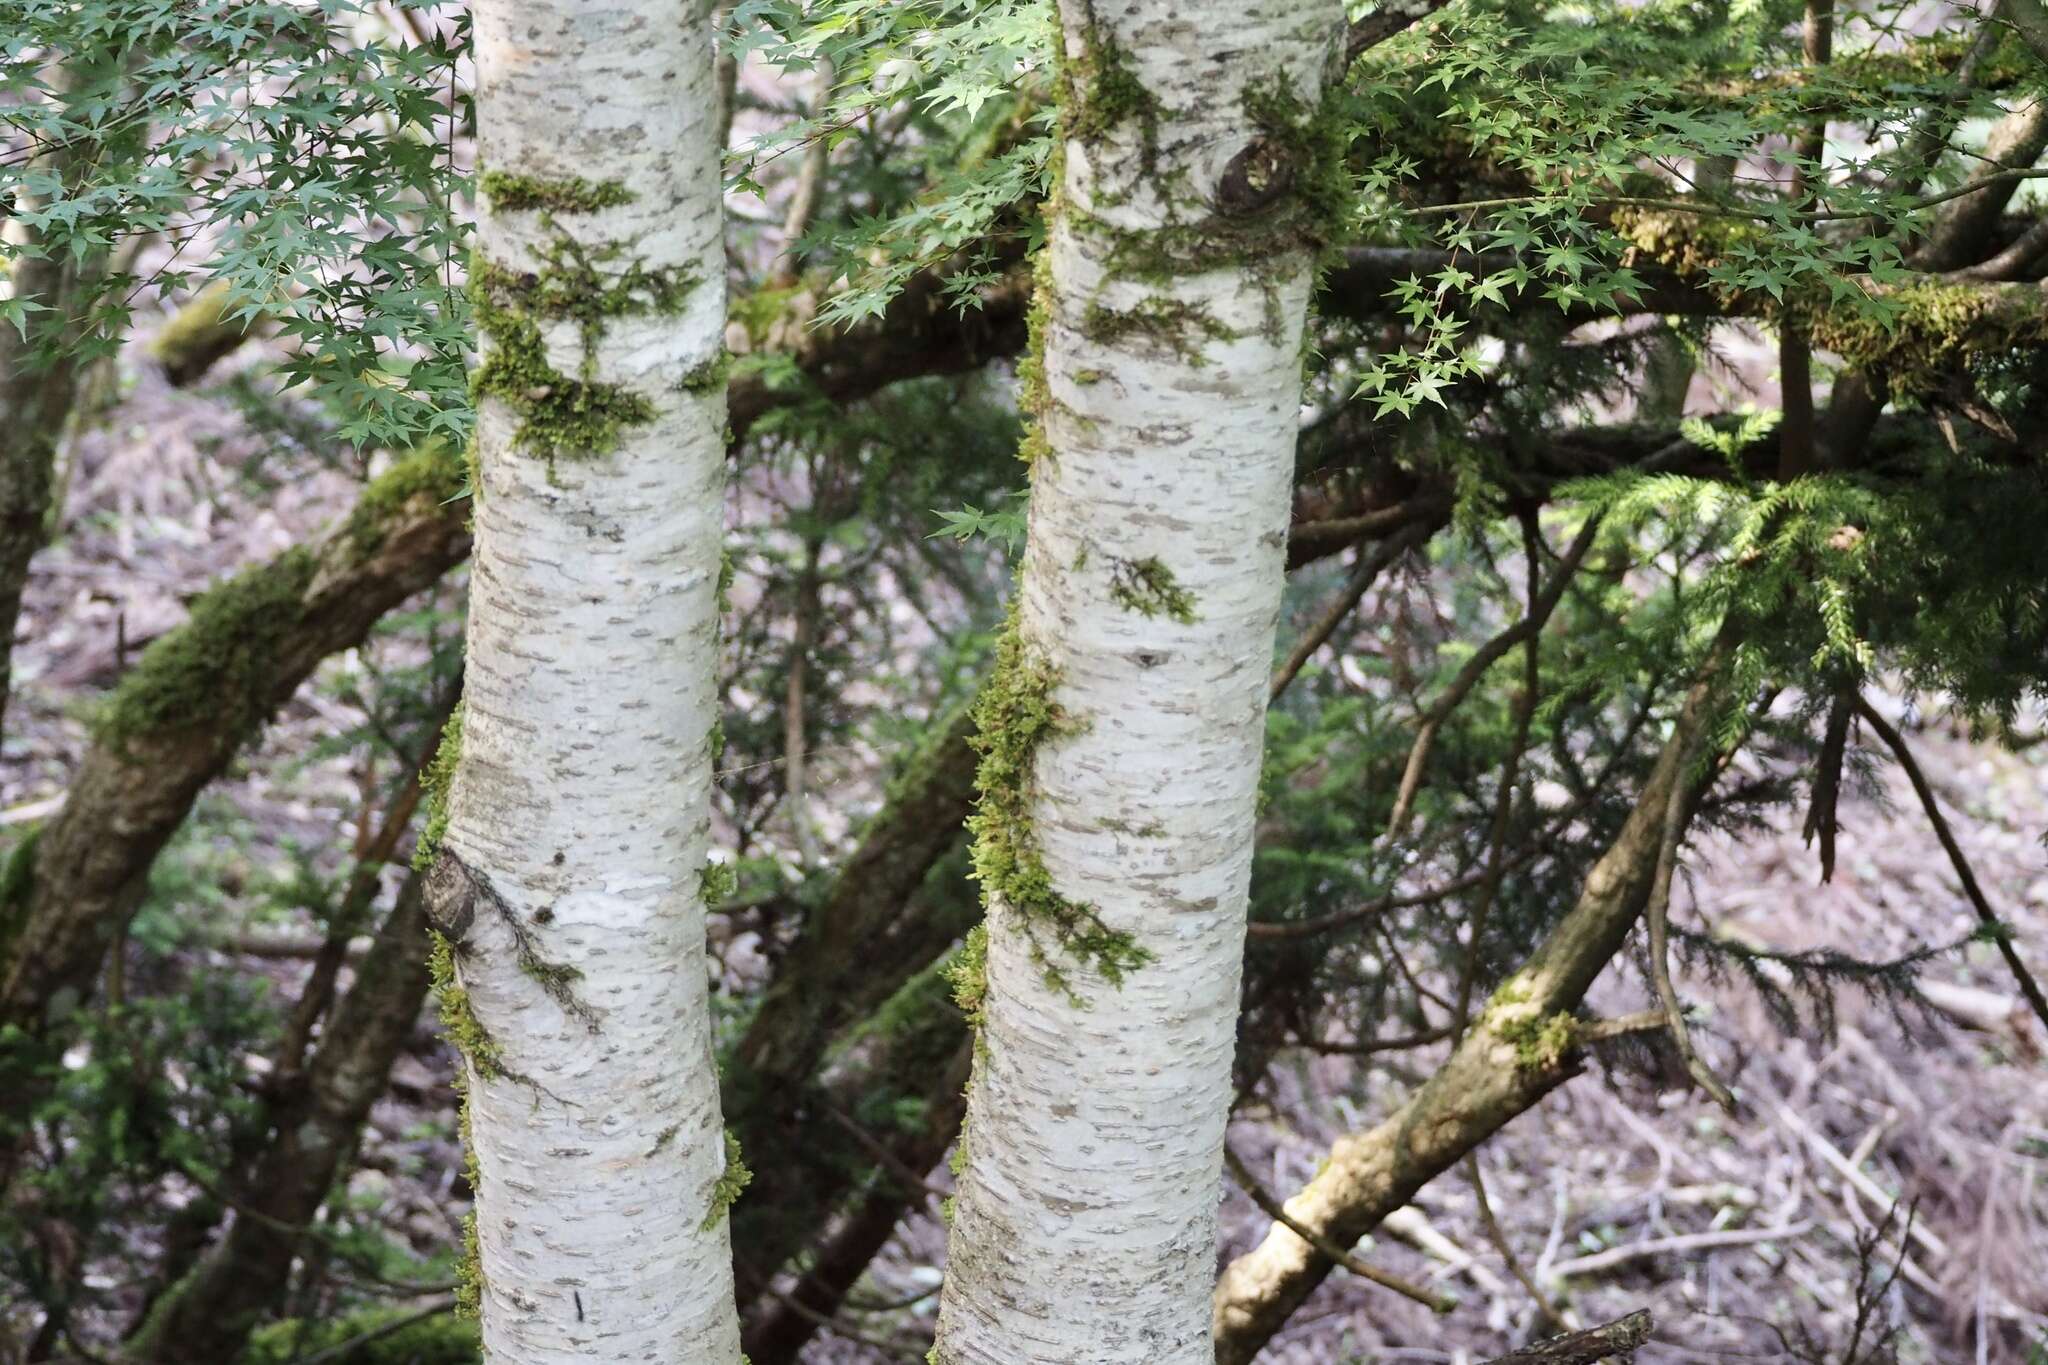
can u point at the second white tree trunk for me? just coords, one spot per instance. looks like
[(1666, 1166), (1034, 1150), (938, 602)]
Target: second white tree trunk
[(1123, 735)]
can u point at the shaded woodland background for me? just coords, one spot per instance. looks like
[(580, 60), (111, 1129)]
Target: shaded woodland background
[(1880, 1193)]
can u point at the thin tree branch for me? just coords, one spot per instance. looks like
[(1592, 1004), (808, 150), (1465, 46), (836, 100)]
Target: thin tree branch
[(1367, 572), (1376, 28), (1475, 668), (1657, 915), (1897, 744), (1273, 1209), (1499, 1238)]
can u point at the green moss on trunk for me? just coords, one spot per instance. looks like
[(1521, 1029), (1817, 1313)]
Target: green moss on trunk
[(732, 1181), (1014, 715), (511, 193), (1147, 586)]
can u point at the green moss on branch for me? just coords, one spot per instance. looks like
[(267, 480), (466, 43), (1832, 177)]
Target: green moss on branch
[(218, 670), (432, 474)]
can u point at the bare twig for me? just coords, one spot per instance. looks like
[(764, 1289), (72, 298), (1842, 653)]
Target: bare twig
[(1475, 668), (1660, 1246), (1896, 742), (1498, 1236), (1273, 1209)]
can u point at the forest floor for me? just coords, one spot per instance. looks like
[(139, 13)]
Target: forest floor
[(1746, 1235)]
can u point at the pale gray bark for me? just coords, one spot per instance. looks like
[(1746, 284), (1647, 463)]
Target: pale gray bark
[(578, 830), (1174, 295)]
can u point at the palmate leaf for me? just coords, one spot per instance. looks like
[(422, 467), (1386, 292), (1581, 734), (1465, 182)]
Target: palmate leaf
[(292, 151)]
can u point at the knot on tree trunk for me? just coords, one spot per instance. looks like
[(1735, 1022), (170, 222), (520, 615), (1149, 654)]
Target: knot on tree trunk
[(1258, 175)]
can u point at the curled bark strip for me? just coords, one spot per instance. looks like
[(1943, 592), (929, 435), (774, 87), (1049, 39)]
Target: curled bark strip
[(1616, 1338)]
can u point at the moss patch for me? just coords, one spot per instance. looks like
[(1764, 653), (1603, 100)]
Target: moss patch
[(1034, 392), (484, 1059), (716, 883), (731, 1183), (967, 974), (510, 193), (564, 416), (1102, 93), (469, 1036), (217, 670), (436, 781), (1540, 1040), (1014, 715), (433, 474), (1148, 587), (1919, 334), (710, 376), (1170, 323)]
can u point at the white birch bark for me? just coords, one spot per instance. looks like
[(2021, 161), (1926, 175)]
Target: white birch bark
[(1174, 300), (579, 813)]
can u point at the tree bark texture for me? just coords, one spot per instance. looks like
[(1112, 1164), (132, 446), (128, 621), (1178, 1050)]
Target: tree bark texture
[(569, 878), (1121, 741)]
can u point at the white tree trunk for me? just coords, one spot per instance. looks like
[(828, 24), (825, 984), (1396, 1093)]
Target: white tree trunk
[(568, 878), (1167, 397)]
